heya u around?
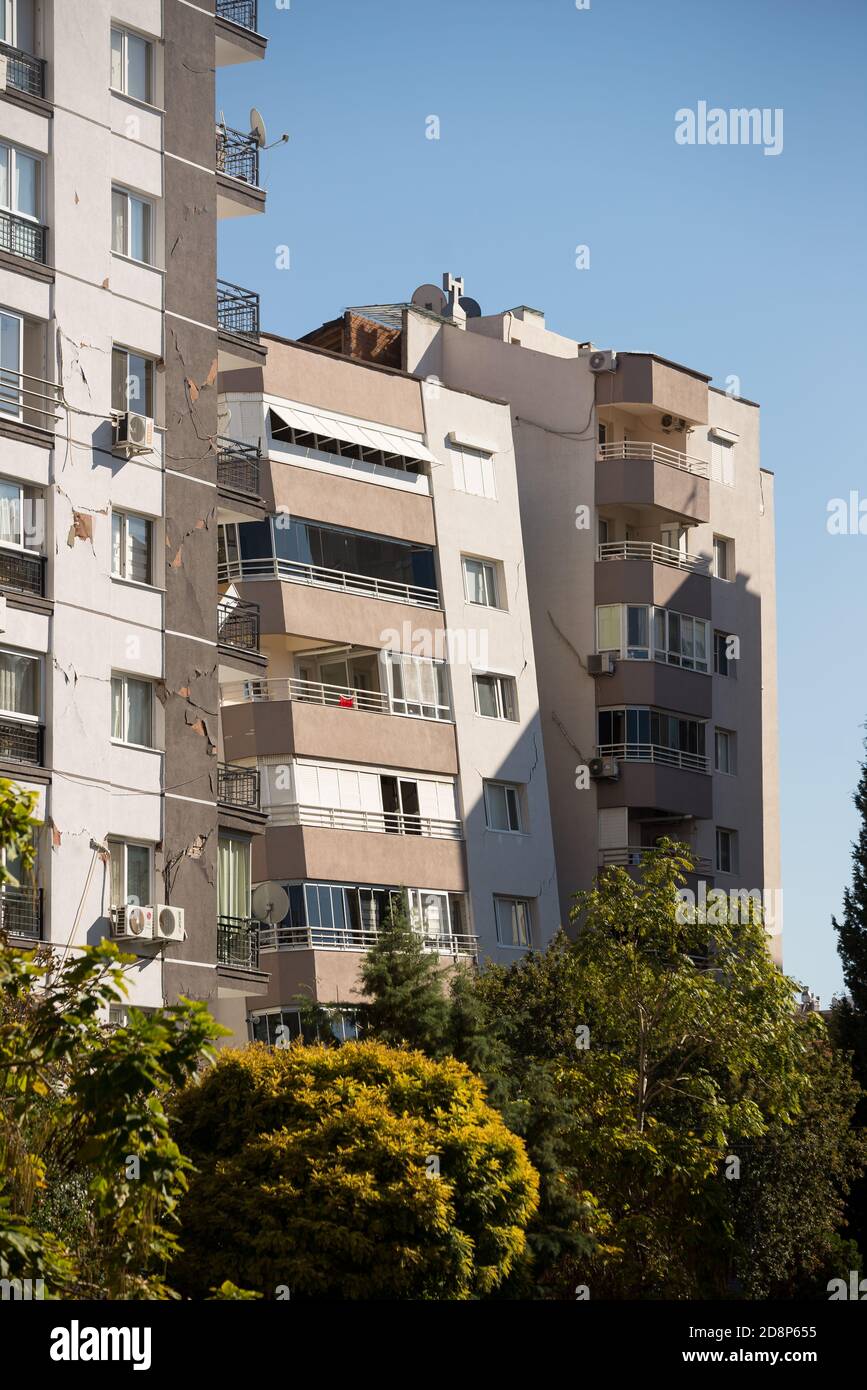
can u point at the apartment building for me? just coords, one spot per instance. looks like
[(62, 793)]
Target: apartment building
[(648, 531), (112, 330), (396, 733)]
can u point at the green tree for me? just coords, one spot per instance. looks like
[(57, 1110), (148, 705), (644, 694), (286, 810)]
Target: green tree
[(408, 1005), (356, 1172)]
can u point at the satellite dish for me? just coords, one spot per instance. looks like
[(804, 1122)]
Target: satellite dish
[(429, 297), (270, 903), (471, 307), (257, 127)]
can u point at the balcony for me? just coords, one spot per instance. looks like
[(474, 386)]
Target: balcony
[(638, 474), (236, 36), (21, 742), (237, 786), (377, 822), (237, 310), (238, 625), (286, 938), (22, 573), (238, 467), (240, 12), (297, 572), (21, 912), (24, 73), (237, 942), (632, 856), (308, 692), (655, 553), (22, 237), (654, 753), (237, 165), (653, 453), (28, 401)]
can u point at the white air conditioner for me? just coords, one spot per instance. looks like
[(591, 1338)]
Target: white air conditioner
[(602, 361), (169, 923), (133, 433), (133, 923), (604, 769), (600, 664)]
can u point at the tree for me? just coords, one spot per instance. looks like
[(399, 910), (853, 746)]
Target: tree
[(355, 1172), (408, 1005)]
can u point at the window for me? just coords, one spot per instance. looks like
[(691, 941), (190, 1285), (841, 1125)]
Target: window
[(726, 851), (724, 661), (722, 460), (513, 922), (724, 751), (480, 582), (132, 711), (503, 806), (131, 65), (419, 687), (473, 471), (131, 226), (495, 697), (132, 382), (20, 522), (677, 638), (603, 530), (723, 558), (603, 433), (130, 874), (19, 685), (609, 638), (16, 24), (11, 337), (233, 877), (20, 182), (639, 733), (130, 547)]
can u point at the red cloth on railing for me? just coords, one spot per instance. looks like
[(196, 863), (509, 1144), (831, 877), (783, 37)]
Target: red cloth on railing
[(346, 702)]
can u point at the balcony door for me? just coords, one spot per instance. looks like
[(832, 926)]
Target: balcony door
[(11, 340), (400, 804), (233, 878), (16, 24)]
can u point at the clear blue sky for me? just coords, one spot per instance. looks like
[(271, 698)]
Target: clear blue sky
[(557, 128)]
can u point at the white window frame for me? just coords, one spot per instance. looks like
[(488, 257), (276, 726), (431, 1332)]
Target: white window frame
[(491, 586), (460, 454), (722, 460), (728, 738), (657, 650), (145, 407), (125, 845), (125, 36), (402, 705), (132, 197), (11, 14), (125, 677), (727, 545), (732, 850), (124, 518), (507, 695), (512, 799), (13, 151), (23, 501), (17, 715), (509, 902)]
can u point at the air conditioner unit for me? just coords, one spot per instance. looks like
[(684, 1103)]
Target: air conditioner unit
[(133, 923), (600, 664), (602, 361), (133, 433), (604, 769), (673, 422), (169, 923)]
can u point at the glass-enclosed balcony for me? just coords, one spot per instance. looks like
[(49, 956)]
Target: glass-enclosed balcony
[(350, 917)]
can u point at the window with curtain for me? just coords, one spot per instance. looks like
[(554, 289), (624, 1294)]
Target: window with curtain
[(132, 711), (419, 687), (233, 877), (130, 546), (513, 921), (495, 697), (132, 382), (20, 182), (19, 684), (130, 874), (480, 582), (502, 806), (131, 222)]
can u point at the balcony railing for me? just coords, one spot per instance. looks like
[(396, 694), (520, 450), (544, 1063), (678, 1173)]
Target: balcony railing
[(630, 856), (307, 692), (654, 453), (297, 572), (24, 73), (238, 155), (238, 466), (654, 753), (285, 938), (23, 573), (20, 742), (238, 786), (379, 822), (21, 912), (29, 400), (238, 624), (653, 551), (237, 310), (21, 237), (240, 12), (238, 942)]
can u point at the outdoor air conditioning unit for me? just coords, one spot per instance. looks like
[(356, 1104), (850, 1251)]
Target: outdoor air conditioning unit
[(602, 361), (133, 433), (169, 923), (604, 769), (600, 664), (133, 923), (673, 422)]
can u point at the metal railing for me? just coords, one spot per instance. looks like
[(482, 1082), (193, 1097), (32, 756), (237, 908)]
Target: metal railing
[(237, 310), (654, 753), (23, 573), (21, 237), (654, 453), (20, 743), (379, 822), (238, 466), (238, 786), (238, 942), (658, 554), (238, 624), (29, 400), (286, 938), (307, 692), (24, 73), (21, 912), (297, 572), (238, 155), (628, 856), (240, 12)]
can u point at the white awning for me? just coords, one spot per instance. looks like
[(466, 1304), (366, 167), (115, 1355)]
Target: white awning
[(365, 435)]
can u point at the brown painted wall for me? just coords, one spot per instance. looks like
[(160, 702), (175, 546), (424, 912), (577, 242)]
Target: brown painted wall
[(352, 388), (348, 502), (639, 482), (281, 727), (358, 856)]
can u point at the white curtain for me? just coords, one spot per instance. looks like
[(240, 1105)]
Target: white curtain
[(17, 684)]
